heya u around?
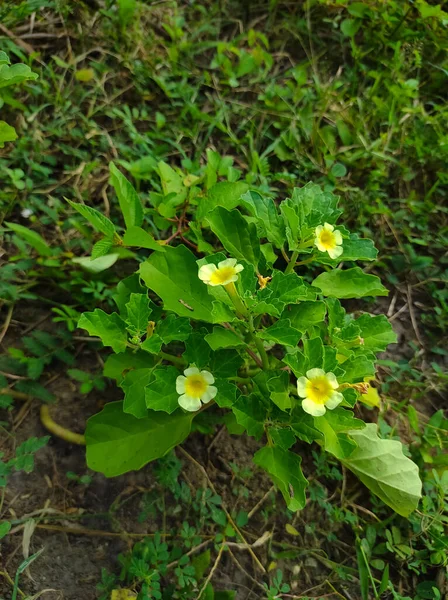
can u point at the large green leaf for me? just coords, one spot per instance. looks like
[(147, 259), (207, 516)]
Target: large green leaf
[(174, 277), (95, 218), (161, 390), (223, 338), (385, 470), (31, 237), (138, 312), (269, 221), (285, 470), (118, 442), (173, 328), (237, 236), (134, 386), (250, 414), (351, 283), (354, 248), (376, 332), (130, 204), (281, 332), (337, 427), (7, 133), (225, 193), (109, 327), (305, 314), (12, 75), (280, 291), (138, 237)]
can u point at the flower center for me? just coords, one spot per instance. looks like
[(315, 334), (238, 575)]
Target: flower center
[(195, 386), (319, 390), (327, 239), (222, 275)]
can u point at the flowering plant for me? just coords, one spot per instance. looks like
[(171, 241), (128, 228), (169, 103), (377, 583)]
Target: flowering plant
[(240, 326)]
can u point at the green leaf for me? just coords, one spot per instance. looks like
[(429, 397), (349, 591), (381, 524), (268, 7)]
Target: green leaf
[(7, 133), (138, 312), (280, 291), (174, 277), (337, 427), (278, 387), (95, 218), (31, 237), (116, 365), (225, 193), (138, 237), (173, 328), (226, 396), (118, 442), (134, 387), (285, 470), (128, 199), (250, 413), (376, 332), (96, 265), (303, 426), (265, 211), (357, 368), (175, 193), (109, 327), (354, 248), (14, 74), (306, 314), (197, 351), (385, 470), (223, 338), (349, 27), (351, 283), (126, 287), (225, 363), (152, 344), (5, 527), (237, 236), (161, 390), (281, 333), (101, 248)]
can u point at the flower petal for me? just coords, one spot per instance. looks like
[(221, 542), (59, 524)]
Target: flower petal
[(318, 230), (328, 227), (209, 394), (239, 268), (332, 380), (301, 386), (191, 371), (206, 271), (180, 384), (320, 246), (190, 404), (310, 407), (313, 373), (338, 237), (335, 400), (208, 376), (229, 262), (335, 252)]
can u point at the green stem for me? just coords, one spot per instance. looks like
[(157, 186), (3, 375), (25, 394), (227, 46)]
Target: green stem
[(259, 344), (292, 262), (176, 360), (235, 297), (240, 379)]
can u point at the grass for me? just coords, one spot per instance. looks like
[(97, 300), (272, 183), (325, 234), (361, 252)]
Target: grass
[(346, 94)]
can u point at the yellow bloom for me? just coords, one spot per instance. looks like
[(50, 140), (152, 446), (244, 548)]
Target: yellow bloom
[(226, 272), (195, 387), (318, 390), (328, 240)]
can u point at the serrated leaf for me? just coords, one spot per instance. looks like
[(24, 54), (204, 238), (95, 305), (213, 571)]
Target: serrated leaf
[(223, 338), (110, 328), (351, 283), (385, 470), (250, 413), (138, 237), (116, 365), (265, 211), (134, 386), (138, 312), (225, 363), (174, 277), (357, 368), (95, 218), (354, 248), (128, 199), (278, 387), (237, 236), (376, 332), (281, 332), (31, 237), (173, 328), (197, 351), (7, 133), (118, 442), (280, 291), (161, 394), (285, 470), (226, 396), (226, 194), (305, 314), (174, 190), (101, 248), (335, 425)]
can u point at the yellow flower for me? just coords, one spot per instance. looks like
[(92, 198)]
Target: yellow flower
[(328, 240), (318, 390), (226, 272), (195, 387)]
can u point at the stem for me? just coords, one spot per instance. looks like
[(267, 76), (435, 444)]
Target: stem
[(65, 434), (176, 360), (259, 344), (235, 297), (292, 262)]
